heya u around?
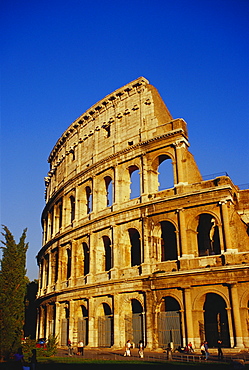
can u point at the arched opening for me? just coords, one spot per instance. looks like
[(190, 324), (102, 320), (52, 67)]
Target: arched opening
[(169, 323), (60, 210), (168, 241), (52, 319), (109, 191), (134, 182), (105, 326), (88, 199), (69, 263), (136, 257), (45, 314), (165, 173), (46, 260), (65, 327), (215, 320), (208, 235), (108, 253), (86, 255), (83, 326), (51, 221), (72, 207), (55, 265), (137, 322)]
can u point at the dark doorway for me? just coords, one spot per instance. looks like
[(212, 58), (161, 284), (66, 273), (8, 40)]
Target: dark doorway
[(86, 258), (108, 253), (105, 327), (137, 322), (83, 326), (136, 258), (168, 241), (208, 235), (169, 323), (215, 320)]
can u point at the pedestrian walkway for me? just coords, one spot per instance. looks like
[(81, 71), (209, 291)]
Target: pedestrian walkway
[(118, 355)]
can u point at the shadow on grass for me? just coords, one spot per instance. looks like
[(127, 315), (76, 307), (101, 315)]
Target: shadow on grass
[(62, 364)]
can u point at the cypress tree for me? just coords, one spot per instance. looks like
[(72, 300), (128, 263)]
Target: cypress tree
[(12, 292)]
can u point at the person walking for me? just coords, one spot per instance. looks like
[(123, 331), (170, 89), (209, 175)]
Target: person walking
[(19, 359), (141, 349), (206, 350), (169, 352), (33, 360), (203, 354), (70, 348), (190, 348), (128, 348), (80, 348), (219, 346)]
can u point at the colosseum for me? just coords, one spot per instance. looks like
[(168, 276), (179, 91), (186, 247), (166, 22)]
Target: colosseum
[(136, 243)]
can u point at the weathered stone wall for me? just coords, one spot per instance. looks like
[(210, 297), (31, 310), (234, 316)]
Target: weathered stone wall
[(169, 264)]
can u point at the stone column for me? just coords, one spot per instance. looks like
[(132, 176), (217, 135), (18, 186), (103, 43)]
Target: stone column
[(42, 318), (225, 222), (180, 146), (115, 253), (49, 271), (60, 267), (144, 178), (230, 326), (91, 338), (77, 205), (43, 275), (183, 235), (236, 316), (149, 318), (188, 315), (57, 321), (73, 322), (116, 317), (74, 262), (117, 188), (94, 196), (92, 258), (145, 245)]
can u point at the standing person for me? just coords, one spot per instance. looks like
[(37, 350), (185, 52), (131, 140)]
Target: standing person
[(141, 349), (203, 354), (219, 346), (169, 352), (70, 348), (206, 350), (80, 348), (128, 348), (19, 359), (33, 360), (190, 347)]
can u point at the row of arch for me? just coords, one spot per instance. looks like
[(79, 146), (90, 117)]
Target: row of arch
[(63, 212), (208, 242), (170, 326)]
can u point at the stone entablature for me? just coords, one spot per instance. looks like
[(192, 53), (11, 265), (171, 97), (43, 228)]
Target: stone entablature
[(116, 266)]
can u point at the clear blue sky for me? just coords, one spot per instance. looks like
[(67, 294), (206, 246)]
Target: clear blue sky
[(61, 57)]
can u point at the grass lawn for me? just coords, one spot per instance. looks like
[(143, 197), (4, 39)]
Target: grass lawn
[(62, 363)]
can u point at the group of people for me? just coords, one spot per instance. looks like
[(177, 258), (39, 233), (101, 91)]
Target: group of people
[(188, 349), (128, 346), (205, 351), (80, 348)]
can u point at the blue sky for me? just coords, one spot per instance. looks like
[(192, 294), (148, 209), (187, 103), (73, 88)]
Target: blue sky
[(61, 57)]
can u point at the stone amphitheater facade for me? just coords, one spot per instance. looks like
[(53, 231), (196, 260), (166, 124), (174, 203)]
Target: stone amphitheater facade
[(136, 244)]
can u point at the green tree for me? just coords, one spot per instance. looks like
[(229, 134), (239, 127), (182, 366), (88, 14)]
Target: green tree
[(12, 291)]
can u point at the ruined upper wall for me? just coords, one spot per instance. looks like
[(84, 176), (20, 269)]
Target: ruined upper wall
[(131, 113)]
